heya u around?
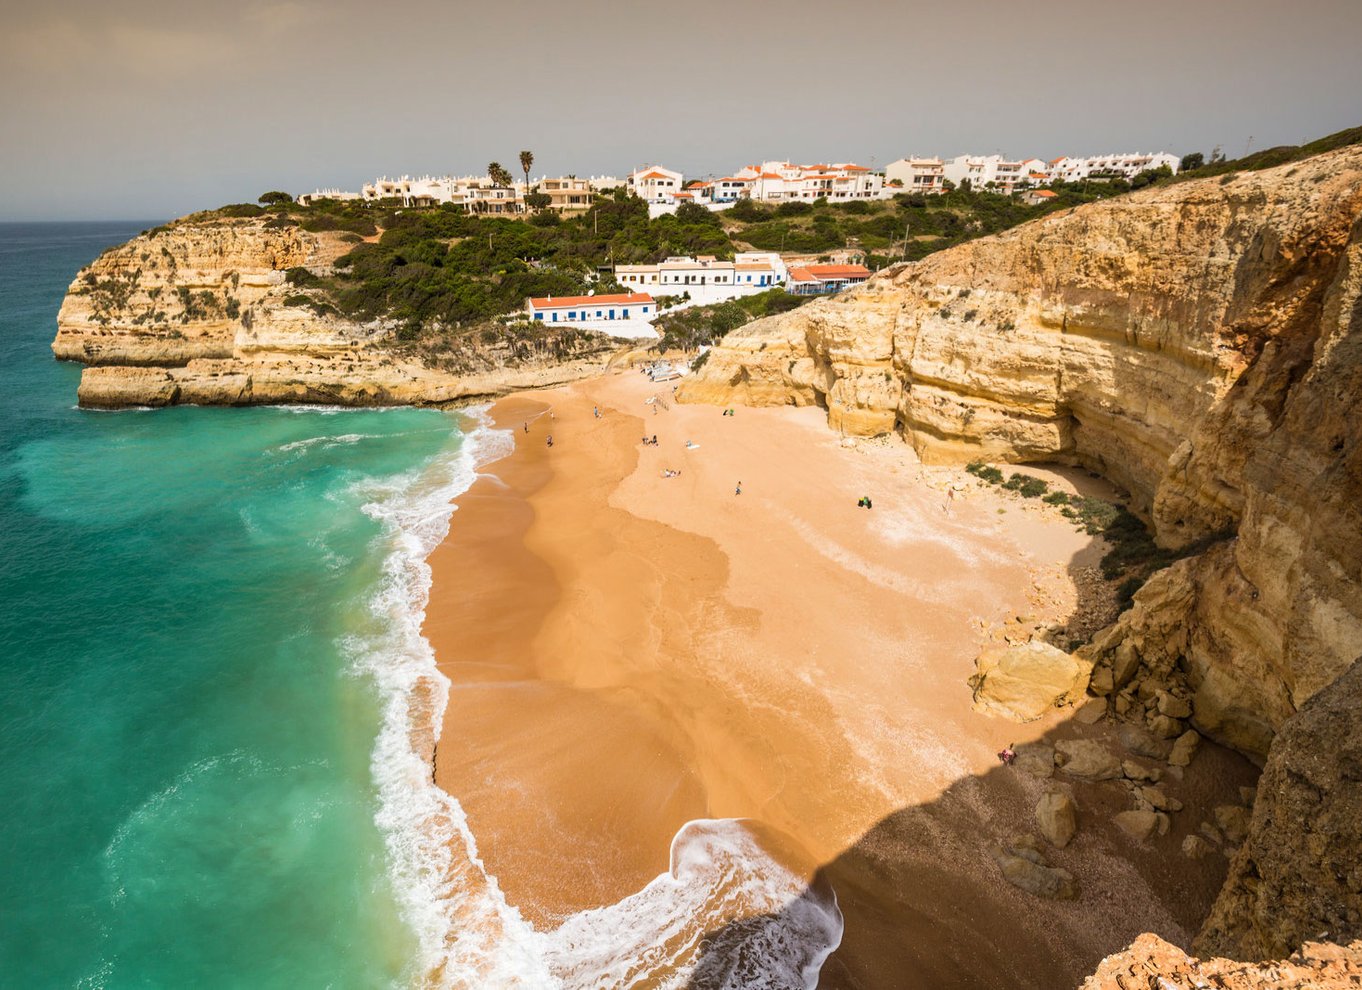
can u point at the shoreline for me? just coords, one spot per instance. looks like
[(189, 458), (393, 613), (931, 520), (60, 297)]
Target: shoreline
[(629, 654)]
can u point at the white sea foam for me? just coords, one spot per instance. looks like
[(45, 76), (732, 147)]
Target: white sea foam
[(468, 934)]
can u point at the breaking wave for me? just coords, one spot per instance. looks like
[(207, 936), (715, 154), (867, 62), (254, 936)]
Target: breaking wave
[(725, 915)]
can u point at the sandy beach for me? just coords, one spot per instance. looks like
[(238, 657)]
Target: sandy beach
[(629, 652)]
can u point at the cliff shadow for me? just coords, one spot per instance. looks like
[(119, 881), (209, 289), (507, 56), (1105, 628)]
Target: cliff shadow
[(924, 904)]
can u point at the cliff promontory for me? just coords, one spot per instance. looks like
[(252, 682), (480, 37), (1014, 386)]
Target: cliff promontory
[(1199, 344), (203, 311)]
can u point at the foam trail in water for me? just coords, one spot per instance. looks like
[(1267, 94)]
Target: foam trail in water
[(468, 935)]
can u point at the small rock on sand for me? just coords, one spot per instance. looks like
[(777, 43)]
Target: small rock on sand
[(1091, 712), (1037, 759), (1034, 878), (1088, 760), (1139, 825), (1141, 743), (1184, 748), (1233, 821), (1195, 847), (1057, 818), (1139, 772)]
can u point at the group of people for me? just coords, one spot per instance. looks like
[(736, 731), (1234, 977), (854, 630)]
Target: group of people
[(650, 443), (864, 502), (729, 412), (669, 473)]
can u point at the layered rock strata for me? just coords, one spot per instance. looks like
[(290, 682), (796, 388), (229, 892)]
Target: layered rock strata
[(1198, 344), (201, 312)]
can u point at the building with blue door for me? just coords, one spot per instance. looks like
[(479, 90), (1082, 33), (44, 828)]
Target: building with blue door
[(591, 309)]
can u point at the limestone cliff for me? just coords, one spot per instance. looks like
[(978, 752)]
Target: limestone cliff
[(200, 311), (1198, 344), (1281, 893)]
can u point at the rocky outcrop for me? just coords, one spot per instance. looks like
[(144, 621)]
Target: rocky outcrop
[(1151, 962), (1298, 875), (200, 311), (1024, 681), (1199, 344)]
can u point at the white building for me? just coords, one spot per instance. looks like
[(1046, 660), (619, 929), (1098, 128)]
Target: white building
[(824, 280), (915, 175), (1125, 166), (706, 279), (307, 199), (991, 172), (782, 182), (655, 184), (627, 314)]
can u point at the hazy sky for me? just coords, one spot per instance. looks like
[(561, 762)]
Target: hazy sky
[(137, 109)]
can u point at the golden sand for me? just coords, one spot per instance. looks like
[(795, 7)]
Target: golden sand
[(629, 652)]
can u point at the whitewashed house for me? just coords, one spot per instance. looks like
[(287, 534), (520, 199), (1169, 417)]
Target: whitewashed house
[(627, 314), (655, 184), (1125, 166), (915, 175)]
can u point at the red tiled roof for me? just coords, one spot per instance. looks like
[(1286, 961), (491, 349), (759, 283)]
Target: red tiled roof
[(684, 195), (1047, 193), (654, 174), (810, 273), (839, 270), (627, 299)]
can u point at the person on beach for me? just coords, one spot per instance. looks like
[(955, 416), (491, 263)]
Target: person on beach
[(950, 500), (550, 440), (1007, 754), (738, 490), (527, 427), (654, 439), (595, 411)]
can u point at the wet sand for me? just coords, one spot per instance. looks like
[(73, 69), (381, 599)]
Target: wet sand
[(630, 652)]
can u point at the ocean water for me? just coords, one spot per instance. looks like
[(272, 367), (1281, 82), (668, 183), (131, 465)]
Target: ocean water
[(213, 693), (187, 733)]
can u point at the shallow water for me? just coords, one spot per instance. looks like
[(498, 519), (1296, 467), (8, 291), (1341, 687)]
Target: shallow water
[(186, 781)]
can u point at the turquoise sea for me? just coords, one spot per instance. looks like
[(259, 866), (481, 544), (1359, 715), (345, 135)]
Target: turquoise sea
[(215, 702), (188, 773)]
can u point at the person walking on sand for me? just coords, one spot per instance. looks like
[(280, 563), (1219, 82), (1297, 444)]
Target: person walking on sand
[(527, 426), (550, 441), (950, 499), (738, 490)]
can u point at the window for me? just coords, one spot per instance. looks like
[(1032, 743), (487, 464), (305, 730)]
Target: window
[(572, 315), (538, 316)]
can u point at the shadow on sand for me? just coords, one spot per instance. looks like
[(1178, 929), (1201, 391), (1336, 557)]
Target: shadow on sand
[(925, 906)]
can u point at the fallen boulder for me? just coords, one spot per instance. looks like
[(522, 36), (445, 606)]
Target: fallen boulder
[(1139, 825), (1088, 760), (1034, 878), (1023, 681), (1057, 818)]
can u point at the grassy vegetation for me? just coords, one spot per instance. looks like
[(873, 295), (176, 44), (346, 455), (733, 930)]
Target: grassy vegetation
[(1132, 555), (1272, 157), (931, 223)]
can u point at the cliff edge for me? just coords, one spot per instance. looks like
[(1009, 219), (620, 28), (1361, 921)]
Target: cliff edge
[(202, 311), (1200, 344)]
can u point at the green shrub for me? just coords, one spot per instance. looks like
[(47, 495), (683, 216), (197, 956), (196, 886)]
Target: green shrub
[(984, 472), (1033, 487), (1057, 498)]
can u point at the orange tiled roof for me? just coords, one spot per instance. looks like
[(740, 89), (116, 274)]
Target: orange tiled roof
[(654, 174), (627, 298), (809, 273)]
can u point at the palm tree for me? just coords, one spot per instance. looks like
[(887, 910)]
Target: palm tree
[(498, 175), (526, 163)]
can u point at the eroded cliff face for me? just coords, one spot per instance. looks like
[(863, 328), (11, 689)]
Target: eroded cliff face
[(200, 312), (1199, 345)]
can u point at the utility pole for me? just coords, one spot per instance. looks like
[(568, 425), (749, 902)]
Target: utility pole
[(904, 256)]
